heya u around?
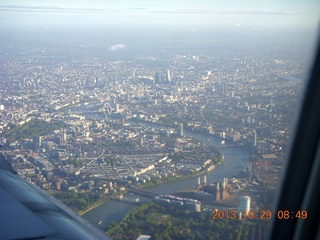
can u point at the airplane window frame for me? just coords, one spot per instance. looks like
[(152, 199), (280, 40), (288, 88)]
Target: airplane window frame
[(300, 184)]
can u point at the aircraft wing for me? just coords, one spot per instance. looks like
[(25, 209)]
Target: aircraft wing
[(28, 212)]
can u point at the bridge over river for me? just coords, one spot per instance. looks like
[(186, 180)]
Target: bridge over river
[(143, 193)]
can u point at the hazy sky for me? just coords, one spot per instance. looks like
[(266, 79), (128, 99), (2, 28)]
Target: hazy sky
[(240, 13)]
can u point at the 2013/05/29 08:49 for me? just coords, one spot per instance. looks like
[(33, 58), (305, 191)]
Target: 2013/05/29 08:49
[(234, 214), (262, 214)]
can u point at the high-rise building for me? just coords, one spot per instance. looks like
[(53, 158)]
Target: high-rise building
[(63, 137), (244, 204), (254, 138), (180, 130), (167, 133), (141, 141), (123, 122), (74, 132), (37, 141), (58, 185), (157, 77), (221, 88), (181, 81), (71, 168), (168, 76)]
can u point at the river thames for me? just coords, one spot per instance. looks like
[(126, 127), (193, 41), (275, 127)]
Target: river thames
[(236, 158)]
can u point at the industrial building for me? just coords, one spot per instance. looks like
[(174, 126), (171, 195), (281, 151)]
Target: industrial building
[(215, 189)]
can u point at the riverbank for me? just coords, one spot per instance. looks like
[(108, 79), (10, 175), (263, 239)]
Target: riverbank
[(80, 213), (211, 168), (176, 178)]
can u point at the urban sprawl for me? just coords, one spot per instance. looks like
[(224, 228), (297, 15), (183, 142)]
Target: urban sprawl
[(105, 124)]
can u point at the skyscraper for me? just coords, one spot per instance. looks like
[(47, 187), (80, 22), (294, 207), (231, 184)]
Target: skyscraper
[(37, 141), (254, 138), (180, 130), (157, 77), (168, 76), (63, 137)]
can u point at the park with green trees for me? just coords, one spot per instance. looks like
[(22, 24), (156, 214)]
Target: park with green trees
[(80, 202), (34, 127), (165, 222)]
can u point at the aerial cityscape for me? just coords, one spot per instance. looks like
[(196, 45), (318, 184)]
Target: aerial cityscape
[(193, 121)]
